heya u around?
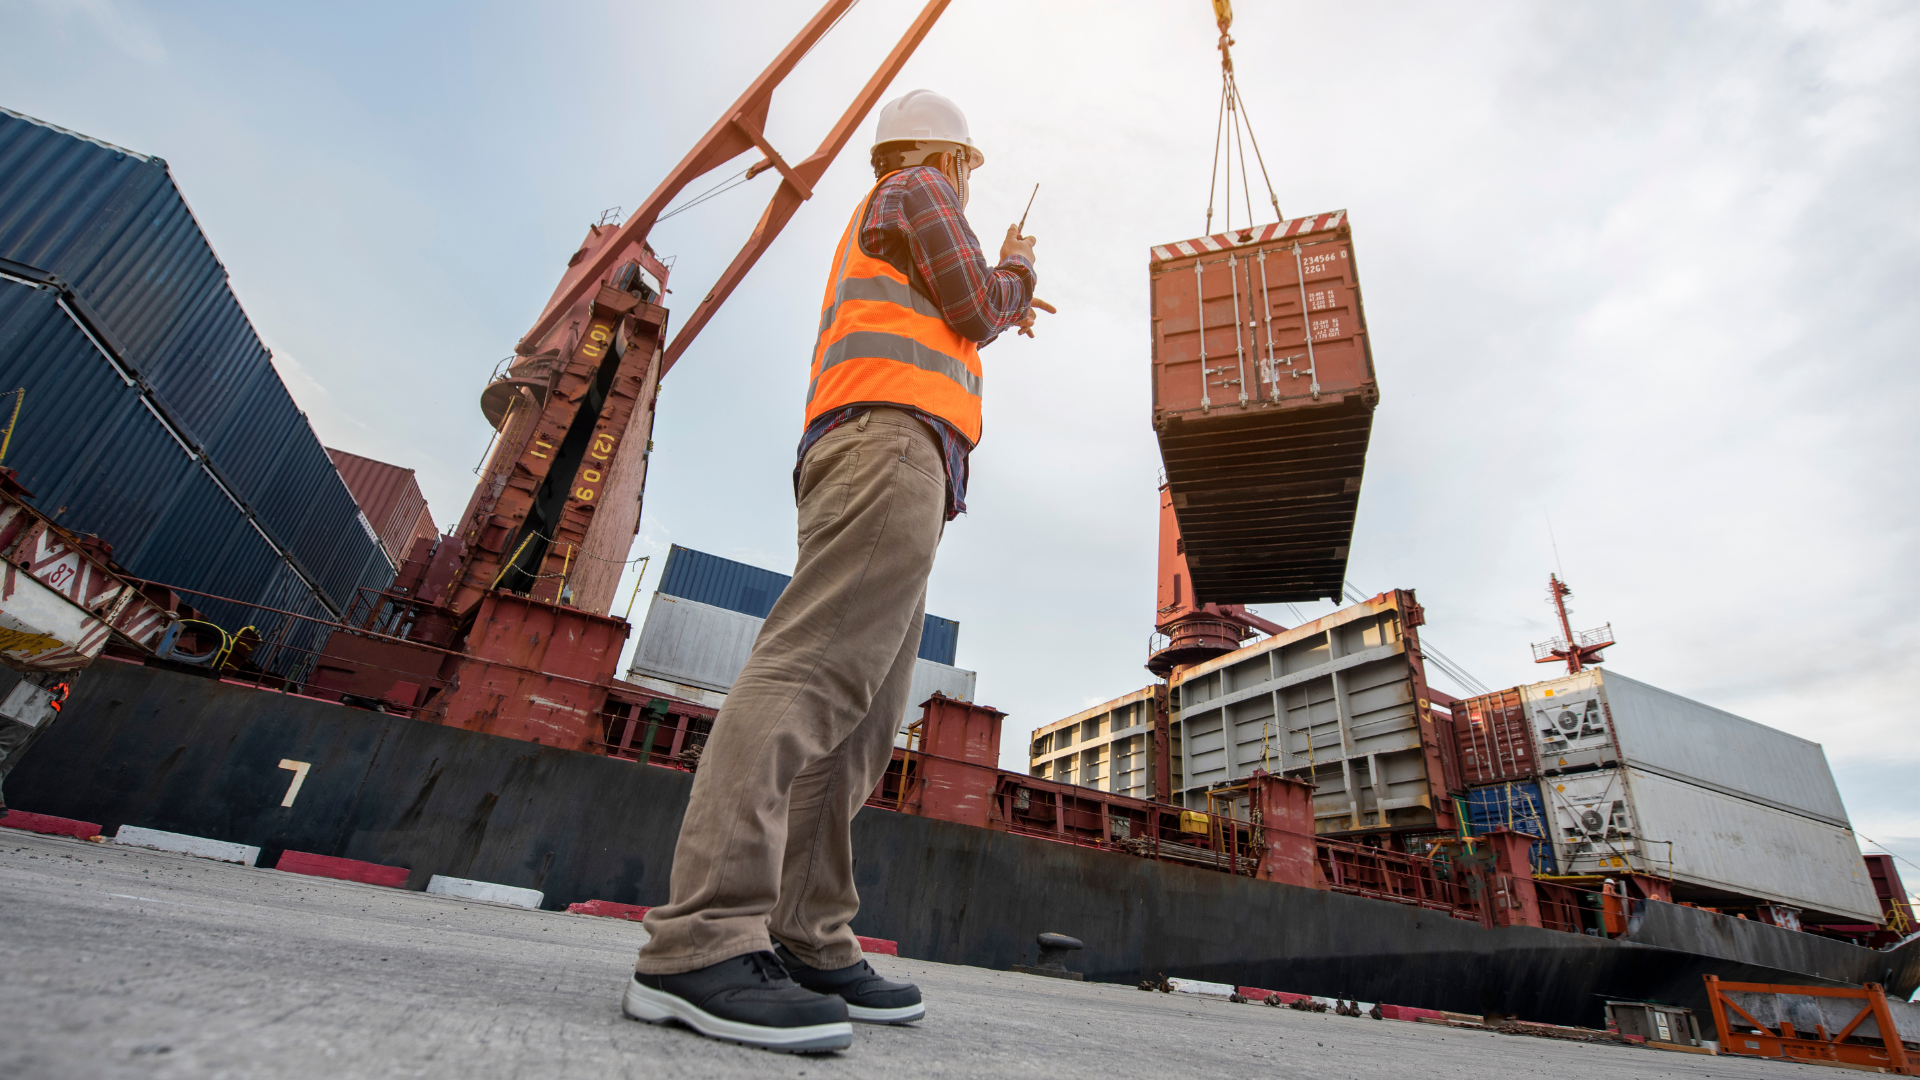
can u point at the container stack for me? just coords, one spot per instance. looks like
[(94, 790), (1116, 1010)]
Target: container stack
[(703, 620), (149, 413), (390, 499), (1501, 770), (1632, 779)]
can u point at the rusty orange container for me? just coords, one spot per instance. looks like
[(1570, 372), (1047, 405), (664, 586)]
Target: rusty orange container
[(1263, 398)]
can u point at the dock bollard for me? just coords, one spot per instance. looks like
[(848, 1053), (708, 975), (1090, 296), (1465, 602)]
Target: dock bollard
[(1053, 953)]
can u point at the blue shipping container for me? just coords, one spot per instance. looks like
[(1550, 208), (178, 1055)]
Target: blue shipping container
[(153, 416), (749, 590), (167, 517), (1515, 805)]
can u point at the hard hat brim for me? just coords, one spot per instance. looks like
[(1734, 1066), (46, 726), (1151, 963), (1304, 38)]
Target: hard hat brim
[(975, 156)]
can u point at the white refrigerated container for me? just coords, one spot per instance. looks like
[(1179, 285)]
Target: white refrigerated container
[(1602, 718), (1714, 846)]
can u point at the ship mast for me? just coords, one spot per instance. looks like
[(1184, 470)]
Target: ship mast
[(1577, 651)]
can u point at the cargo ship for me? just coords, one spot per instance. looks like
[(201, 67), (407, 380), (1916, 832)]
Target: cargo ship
[(261, 663)]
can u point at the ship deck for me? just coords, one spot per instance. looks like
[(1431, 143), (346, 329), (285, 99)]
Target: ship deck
[(121, 962)]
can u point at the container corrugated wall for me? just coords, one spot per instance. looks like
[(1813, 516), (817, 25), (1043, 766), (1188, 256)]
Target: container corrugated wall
[(749, 590), (1717, 848), (1491, 738), (153, 416), (687, 646), (1665, 733), (390, 498), (1517, 806), (1601, 717)]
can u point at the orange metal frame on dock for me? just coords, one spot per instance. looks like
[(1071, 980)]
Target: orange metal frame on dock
[(1817, 1047)]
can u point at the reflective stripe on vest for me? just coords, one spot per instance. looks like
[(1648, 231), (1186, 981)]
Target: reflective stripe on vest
[(882, 341)]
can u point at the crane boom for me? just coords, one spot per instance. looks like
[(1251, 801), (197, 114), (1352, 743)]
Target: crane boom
[(740, 129)]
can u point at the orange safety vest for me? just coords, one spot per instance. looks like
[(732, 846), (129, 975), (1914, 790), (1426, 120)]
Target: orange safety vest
[(882, 342)]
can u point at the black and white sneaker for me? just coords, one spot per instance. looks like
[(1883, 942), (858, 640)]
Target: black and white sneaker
[(870, 997), (749, 999)]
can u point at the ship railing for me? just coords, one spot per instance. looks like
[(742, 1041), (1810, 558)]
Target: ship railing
[(287, 648), (1563, 907), (1082, 816), (655, 729), (1394, 875)]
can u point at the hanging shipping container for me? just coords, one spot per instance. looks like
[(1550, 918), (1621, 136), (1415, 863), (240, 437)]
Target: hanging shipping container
[(1340, 702), (1601, 717), (1490, 732), (1263, 399), (1717, 849), (152, 416), (750, 590)]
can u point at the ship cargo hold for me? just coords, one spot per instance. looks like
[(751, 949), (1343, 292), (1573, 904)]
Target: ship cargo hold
[(1716, 848), (391, 500), (1602, 717), (1492, 738), (1263, 399), (151, 414), (1341, 702), (702, 622), (1123, 746)]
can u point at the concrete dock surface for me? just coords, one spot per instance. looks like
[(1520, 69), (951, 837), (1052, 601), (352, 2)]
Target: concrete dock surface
[(120, 962)]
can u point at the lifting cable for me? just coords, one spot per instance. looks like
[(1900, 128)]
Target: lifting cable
[(1449, 667), (1236, 134)]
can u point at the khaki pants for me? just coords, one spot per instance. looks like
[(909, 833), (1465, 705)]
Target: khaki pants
[(808, 728)]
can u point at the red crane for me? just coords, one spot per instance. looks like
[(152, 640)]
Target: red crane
[(1194, 632), (500, 626)]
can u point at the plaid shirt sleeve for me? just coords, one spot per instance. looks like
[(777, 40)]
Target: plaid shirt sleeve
[(916, 218)]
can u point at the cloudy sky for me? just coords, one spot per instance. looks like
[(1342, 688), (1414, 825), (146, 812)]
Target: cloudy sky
[(1641, 281)]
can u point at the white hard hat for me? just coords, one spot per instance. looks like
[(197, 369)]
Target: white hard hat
[(924, 116)]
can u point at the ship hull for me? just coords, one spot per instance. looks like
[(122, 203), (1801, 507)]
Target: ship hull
[(145, 746)]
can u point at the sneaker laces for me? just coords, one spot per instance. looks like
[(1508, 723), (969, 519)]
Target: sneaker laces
[(768, 967)]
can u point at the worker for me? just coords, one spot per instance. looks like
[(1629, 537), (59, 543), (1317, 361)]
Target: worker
[(755, 944)]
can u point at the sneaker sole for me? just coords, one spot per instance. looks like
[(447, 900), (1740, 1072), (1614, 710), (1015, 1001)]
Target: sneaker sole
[(657, 1007), (906, 1014)]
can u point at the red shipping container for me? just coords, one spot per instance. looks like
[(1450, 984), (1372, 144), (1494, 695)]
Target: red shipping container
[(1263, 398), (390, 498), (1494, 741)]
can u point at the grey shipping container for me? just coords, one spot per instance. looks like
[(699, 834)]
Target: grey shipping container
[(1339, 702), (695, 651), (152, 415), (1601, 717), (1717, 848), (750, 590)]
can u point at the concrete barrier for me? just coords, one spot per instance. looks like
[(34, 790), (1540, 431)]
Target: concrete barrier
[(183, 844), (50, 825), (487, 891), (327, 866)]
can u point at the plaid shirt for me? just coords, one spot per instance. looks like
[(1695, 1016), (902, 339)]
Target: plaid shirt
[(916, 225)]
